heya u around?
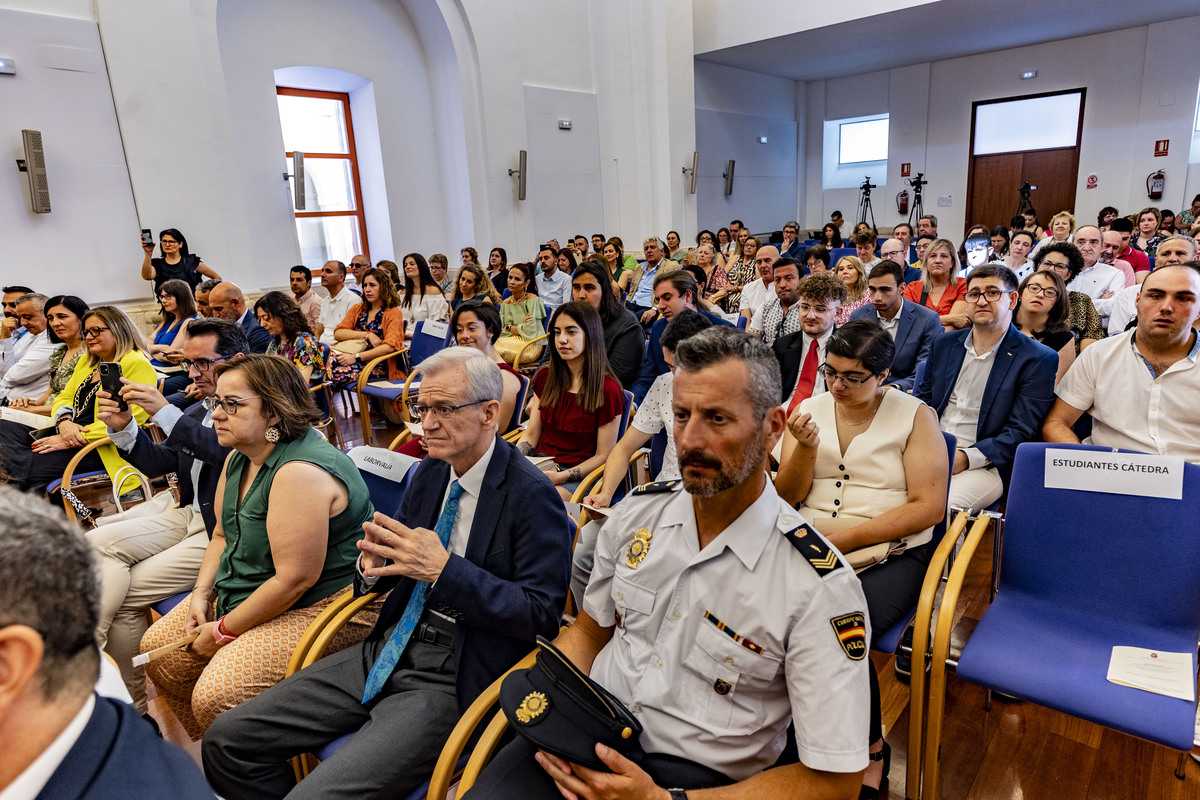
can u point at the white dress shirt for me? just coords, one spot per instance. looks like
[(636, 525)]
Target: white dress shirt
[(1097, 280), (806, 343), (555, 289), (754, 294), (1119, 309), (29, 373), (334, 310), (33, 779), (961, 417)]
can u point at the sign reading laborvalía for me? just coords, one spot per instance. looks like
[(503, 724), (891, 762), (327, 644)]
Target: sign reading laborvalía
[(1115, 473)]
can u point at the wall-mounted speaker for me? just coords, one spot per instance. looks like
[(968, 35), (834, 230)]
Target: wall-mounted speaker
[(729, 178), (35, 171), (695, 171), (298, 185), (520, 172)]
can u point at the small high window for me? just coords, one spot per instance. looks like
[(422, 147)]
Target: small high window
[(862, 141)]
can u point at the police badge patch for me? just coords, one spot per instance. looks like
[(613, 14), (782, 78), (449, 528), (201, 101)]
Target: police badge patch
[(851, 632)]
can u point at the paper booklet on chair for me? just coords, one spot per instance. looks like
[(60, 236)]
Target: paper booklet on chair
[(26, 418), (544, 463), (1170, 674), (387, 384)]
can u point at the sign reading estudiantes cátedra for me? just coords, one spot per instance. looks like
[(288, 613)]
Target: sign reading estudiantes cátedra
[(1115, 473)]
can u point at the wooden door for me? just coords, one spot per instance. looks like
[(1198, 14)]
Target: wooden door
[(994, 184)]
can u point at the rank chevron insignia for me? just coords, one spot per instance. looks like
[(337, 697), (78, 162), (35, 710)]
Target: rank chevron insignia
[(815, 550)]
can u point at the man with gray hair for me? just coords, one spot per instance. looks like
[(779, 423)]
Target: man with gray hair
[(59, 738), (790, 247), (27, 366), (477, 560), (736, 616), (640, 296)]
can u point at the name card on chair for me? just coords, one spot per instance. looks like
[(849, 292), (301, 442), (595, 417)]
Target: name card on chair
[(1115, 473), (435, 328)]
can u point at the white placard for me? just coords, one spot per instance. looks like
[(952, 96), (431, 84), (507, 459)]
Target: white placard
[(1170, 674), (37, 421), (1115, 473), (436, 329)]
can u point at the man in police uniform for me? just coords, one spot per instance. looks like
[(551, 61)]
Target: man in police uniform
[(716, 614)]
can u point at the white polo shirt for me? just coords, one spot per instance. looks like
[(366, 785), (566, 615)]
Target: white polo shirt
[(1098, 280), (1132, 408)]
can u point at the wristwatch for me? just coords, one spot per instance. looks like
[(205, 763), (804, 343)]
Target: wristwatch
[(678, 794)]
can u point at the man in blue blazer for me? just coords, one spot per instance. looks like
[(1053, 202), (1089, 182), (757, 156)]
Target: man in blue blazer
[(790, 247), (913, 327), (991, 386), (59, 738), (673, 292), (500, 581), (227, 301)]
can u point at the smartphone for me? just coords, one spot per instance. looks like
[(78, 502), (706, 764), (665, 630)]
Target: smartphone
[(110, 381), (147, 236), (42, 434)]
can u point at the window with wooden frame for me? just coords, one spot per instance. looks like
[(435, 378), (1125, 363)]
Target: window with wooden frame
[(332, 227)]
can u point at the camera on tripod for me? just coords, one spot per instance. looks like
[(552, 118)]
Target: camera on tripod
[(1026, 189), (917, 183), (867, 186)]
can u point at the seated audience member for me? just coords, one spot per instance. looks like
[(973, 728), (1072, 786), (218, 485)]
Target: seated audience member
[(421, 299), (756, 292), (1062, 226), (715, 287), (927, 226), (742, 272), (921, 246), (553, 284), (780, 314), (335, 307), (1188, 219), (1066, 262), (1095, 279), (800, 354), (109, 335), (468, 255), (1032, 225), (477, 561), (940, 288), (1105, 217), (831, 236), (896, 250), (581, 246), (166, 342), (726, 244), (781, 600), (393, 271), (613, 256), (624, 339), (567, 261), (852, 272), (1137, 259), (991, 387), (998, 237), (477, 324), (147, 558), (355, 271), (698, 275), (497, 270), (1016, 257), (1167, 225), (1044, 313), (575, 413), (816, 260), (675, 249), (673, 292), (60, 738), (64, 323), (439, 268), (201, 293), (28, 372), (174, 262), (974, 230), (1120, 308), (10, 326), (227, 302), (378, 322), (291, 337), (598, 241), (300, 282), (472, 283), (521, 315), (887, 491), (904, 233), (638, 283), (291, 508), (865, 243), (1112, 381), (1149, 235), (912, 327), (791, 247), (1110, 248)]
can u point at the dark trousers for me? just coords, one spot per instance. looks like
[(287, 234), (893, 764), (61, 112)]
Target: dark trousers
[(892, 589), (32, 471), (399, 734), (638, 311)]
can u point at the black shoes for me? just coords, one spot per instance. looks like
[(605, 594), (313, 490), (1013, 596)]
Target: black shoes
[(870, 792)]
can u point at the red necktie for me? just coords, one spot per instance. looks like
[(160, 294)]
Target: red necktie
[(808, 378)]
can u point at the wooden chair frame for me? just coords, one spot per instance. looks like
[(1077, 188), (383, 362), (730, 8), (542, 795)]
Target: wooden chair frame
[(69, 473), (364, 403), (521, 353)]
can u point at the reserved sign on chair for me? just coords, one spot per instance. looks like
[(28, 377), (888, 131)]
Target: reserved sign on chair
[(1115, 473)]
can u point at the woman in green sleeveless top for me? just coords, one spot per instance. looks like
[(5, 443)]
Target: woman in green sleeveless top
[(292, 509)]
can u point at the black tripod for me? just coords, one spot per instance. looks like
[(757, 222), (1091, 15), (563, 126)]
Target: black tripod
[(1025, 204), (864, 202), (918, 207)]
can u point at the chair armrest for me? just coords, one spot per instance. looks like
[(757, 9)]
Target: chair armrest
[(314, 628), (335, 624), (364, 376), (520, 353), (69, 472), (403, 438), (514, 435)]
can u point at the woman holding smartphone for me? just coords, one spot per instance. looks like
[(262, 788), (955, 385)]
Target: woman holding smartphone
[(109, 336), (175, 262)]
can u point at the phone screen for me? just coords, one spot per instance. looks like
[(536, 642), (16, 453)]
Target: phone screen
[(147, 236)]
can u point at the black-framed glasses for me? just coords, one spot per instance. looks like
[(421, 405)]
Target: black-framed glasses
[(1063, 267), (853, 381), (991, 295), (201, 364), (418, 410), (93, 332), (229, 405), (1048, 291)]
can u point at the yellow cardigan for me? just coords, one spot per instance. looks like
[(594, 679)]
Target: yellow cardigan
[(137, 368)]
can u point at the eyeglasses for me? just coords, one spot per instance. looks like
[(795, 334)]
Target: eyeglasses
[(229, 405), (852, 381), (891, 254), (805, 308), (93, 332), (1049, 291), (991, 295), (1063, 267), (201, 364), (418, 411)]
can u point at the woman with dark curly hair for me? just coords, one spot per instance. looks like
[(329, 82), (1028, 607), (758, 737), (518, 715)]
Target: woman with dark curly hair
[(1065, 260), (280, 316)]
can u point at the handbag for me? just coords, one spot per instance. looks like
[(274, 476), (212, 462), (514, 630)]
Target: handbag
[(863, 557), (351, 346)]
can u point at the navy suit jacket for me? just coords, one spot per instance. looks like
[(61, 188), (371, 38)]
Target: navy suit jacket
[(510, 587), (915, 332), (1016, 399), (257, 334), (118, 756), (653, 364), (796, 251), (189, 441)]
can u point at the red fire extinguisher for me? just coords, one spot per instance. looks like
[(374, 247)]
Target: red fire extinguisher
[(902, 202), (1154, 184)]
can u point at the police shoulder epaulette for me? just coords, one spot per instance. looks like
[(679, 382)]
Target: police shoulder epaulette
[(656, 487), (816, 551)]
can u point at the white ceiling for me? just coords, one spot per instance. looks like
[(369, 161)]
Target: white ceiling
[(939, 31)]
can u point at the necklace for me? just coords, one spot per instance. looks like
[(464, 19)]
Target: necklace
[(862, 422)]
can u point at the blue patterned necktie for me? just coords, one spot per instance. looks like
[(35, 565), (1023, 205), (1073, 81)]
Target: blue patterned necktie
[(390, 655)]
